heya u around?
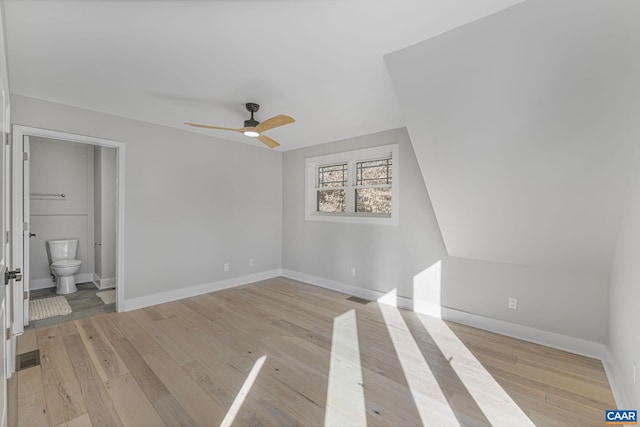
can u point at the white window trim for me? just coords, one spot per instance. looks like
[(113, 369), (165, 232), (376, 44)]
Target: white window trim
[(311, 165)]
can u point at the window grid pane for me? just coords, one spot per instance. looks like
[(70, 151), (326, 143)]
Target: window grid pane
[(332, 176), (332, 201), (373, 200), (374, 172)]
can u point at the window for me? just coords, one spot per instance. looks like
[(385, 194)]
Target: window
[(355, 186)]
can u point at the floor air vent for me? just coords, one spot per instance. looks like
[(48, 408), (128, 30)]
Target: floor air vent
[(359, 300), (27, 360)]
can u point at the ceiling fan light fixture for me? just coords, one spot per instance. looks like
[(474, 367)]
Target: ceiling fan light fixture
[(253, 128), (251, 133)]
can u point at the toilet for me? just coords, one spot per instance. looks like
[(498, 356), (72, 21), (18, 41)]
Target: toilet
[(63, 264)]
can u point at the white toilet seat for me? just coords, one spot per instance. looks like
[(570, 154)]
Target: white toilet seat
[(66, 263)]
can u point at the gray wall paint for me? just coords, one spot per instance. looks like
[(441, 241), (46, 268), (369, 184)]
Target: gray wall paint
[(97, 209), (60, 167), (192, 202), (385, 257), (105, 213), (523, 135), (566, 301), (624, 317), (183, 221)]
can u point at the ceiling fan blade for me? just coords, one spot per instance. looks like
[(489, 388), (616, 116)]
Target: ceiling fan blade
[(267, 141), (274, 122), (214, 127)]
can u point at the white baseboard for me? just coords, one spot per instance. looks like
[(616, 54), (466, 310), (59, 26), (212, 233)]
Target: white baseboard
[(538, 336), (401, 302), (550, 339), (177, 294), (106, 283), (48, 282), (41, 283), (84, 277), (622, 398)]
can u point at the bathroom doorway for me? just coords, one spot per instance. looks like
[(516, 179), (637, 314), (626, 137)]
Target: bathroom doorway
[(72, 198), (70, 188)]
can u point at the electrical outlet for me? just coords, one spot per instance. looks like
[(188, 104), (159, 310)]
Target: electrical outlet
[(513, 303), (353, 272), (634, 373), (250, 262), (226, 266)]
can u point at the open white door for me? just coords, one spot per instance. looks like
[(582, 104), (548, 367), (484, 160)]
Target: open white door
[(4, 255), (5, 368), (26, 228), (20, 289)]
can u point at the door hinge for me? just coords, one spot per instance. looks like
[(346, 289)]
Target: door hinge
[(8, 136), (25, 226), (7, 335), (25, 295), (7, 236), (25, 156)]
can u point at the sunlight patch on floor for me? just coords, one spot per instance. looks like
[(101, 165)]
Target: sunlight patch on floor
[(432, 405), (243, 393), (491, 398), (345, 391)]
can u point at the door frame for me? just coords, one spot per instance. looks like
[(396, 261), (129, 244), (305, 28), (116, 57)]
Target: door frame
[(18, 134)]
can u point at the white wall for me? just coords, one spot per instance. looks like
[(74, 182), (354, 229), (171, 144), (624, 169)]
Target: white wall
[(192, 202), (565, 301), (58, 167), (522, 126), (385, 257), (624, 320), (105, 215), (97, 208)]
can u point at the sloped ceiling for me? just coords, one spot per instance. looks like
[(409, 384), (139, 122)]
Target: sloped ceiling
[(524, 124), (171, 61)]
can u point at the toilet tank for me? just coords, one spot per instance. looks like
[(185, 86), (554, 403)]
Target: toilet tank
[(62, 249)]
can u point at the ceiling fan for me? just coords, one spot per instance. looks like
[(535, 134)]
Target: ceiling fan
[(254, 128)]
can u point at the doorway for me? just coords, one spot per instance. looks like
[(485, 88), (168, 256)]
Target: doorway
[(72, 198), (56, 202)]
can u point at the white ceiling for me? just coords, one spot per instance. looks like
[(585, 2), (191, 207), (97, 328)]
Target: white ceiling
[(167, 62), (525, 125)]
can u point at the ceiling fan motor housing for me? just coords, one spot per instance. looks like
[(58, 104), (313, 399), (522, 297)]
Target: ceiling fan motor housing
[(252, 107), (251, 123)]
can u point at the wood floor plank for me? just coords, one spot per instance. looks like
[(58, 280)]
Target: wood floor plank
[(102, 353), (148, 381), (82, 421), (27, 342), (32, 410), (131, 404), (184, 363), (99, 405), (169, 345), (172, 413), (202, 409), (61, 389), (12, 400)]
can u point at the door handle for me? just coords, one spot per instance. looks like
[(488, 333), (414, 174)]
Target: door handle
[(32, 235), (10, 275)]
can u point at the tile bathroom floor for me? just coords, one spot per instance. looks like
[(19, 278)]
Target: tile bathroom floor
[(84, 303)]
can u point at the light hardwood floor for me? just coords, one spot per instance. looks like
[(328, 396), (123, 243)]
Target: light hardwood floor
[(200, 361)]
